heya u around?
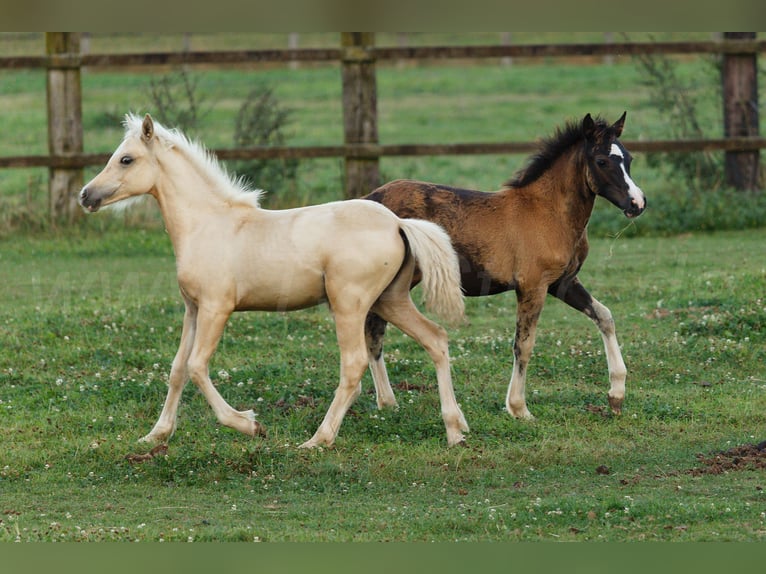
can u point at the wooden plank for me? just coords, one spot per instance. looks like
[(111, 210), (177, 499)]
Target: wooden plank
[(391, 150), (568, 50), (239, 57), (360, 112), (739, 83), (64, 128)]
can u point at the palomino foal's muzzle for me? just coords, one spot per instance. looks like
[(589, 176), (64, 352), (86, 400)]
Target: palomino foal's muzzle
[(88, 201)]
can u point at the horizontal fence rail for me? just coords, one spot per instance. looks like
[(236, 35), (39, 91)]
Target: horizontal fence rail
[(240, 57), (393, 150)]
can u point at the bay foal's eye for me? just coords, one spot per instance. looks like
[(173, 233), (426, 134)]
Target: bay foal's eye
[(126, 160), (601, 162)]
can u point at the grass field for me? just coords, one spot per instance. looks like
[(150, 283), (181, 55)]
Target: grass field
[(90, 319), (89, 327)]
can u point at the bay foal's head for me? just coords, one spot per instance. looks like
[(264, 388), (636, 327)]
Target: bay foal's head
[(608, 166)]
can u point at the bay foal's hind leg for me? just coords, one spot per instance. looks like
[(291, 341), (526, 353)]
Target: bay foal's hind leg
[(576, 296), (374, 331), (166, 424), (210, 326), (398, 309), (530, 305), (349, 327)]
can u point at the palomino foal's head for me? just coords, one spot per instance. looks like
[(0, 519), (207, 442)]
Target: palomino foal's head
[(608, 166), (131, 171)]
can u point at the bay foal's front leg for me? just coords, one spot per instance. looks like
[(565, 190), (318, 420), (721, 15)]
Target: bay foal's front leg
[(530, 305), (576, 296), (166, 424)]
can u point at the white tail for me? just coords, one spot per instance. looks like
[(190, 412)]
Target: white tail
[(438, 262)]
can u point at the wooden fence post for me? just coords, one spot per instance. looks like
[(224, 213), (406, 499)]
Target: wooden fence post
[(360, 111), (64, 123), (739, 80)]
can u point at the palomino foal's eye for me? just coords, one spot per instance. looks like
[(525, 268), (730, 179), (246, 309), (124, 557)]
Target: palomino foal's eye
[(126, 160)]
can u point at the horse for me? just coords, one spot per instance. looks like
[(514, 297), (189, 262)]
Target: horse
[(232, 255), (530, 237)]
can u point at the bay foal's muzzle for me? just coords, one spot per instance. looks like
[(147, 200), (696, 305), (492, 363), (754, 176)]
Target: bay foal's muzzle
[(636, 207)]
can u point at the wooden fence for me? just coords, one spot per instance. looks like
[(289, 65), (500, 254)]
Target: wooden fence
[(358, 55)]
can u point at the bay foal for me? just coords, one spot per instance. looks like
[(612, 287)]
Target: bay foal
[(529, 237)]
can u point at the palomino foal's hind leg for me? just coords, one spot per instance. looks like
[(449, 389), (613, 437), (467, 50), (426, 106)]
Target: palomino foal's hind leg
[(433, 339), (210, 326), (166, 424), (374, 331), (530, 304), (576, 296)]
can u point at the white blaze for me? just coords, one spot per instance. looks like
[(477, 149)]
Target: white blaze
[(633, 190)]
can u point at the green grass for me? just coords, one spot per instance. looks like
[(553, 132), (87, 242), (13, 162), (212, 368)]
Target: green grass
[(89, 325), (90, 320)]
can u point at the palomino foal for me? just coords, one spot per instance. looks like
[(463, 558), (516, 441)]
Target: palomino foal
[(231, 255), (530, 237)]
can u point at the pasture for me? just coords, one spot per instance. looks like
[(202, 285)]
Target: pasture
[(91, 321)]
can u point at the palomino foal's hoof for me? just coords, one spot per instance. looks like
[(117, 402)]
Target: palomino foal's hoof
[(259, 430), (315, 442), (521, 414), (616, 405), (155, 438), (458, 443)]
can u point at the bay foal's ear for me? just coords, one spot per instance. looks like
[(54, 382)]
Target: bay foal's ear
[(147, 128), (588, 126), (619, 124)]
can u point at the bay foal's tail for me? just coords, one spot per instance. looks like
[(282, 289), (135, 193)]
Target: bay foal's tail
[(438, 263)]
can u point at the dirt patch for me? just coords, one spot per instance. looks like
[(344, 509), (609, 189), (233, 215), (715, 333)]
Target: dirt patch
[(744, 457), (407, 386), (303, 401), (159, 450)]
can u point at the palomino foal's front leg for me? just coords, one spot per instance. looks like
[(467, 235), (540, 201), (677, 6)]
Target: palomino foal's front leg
[(166, 424), (527, 314), (210, 326)]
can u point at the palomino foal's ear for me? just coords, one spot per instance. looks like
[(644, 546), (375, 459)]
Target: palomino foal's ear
[(147, 128), (588, 126), (619, 124)]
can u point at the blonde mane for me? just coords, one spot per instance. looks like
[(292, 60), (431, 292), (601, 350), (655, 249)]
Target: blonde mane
[(232, 187)]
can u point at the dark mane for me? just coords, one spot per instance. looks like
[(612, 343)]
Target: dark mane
[(550, 150)]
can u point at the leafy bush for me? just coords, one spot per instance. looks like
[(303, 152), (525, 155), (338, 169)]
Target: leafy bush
[(260, 122), (680, 99), (176, 101)]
